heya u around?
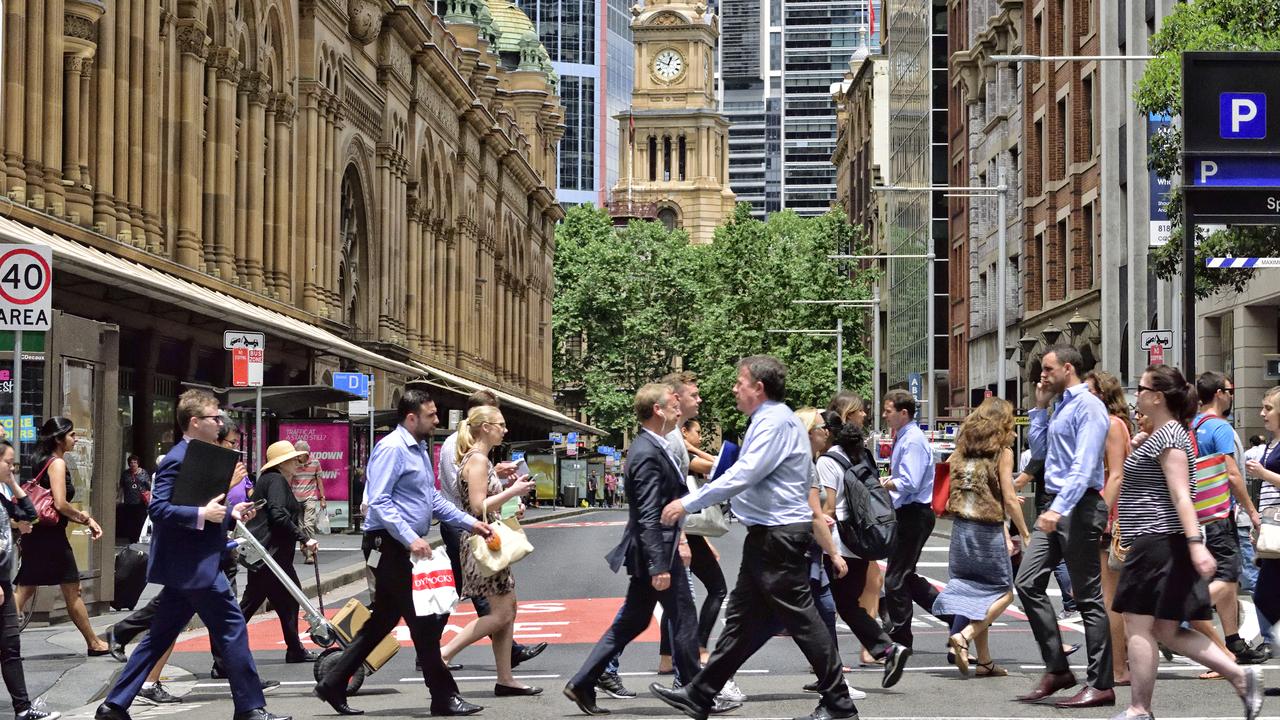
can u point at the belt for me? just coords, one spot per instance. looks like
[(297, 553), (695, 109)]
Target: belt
[(793, 527), (1052, 495)]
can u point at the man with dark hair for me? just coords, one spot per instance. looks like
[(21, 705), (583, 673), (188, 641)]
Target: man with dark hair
[(1072, 517), (1215, 434), (400, 486), (186, 553), (769, 487), (447, 471), (910, 482)]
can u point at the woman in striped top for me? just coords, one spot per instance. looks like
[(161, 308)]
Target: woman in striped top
[(1266, 594), (1163, 582)]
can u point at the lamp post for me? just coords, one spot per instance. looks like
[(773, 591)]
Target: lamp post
[(874, 302)]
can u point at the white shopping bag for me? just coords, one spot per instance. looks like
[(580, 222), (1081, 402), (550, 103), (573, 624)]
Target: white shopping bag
[(435, 591)]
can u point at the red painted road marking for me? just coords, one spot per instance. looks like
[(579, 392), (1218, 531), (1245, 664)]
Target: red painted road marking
[(553, 621)]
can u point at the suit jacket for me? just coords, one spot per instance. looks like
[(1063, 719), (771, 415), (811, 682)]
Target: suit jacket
[(648, 547), (276, 525), (183, 555)]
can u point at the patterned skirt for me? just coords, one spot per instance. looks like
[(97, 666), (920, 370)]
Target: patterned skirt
[(980, 569)]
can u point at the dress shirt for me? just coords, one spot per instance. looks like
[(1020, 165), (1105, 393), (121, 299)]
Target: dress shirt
[(911, 467), (769, 484), (449, 471), (1071, 445), (401, 490), (675, 447)]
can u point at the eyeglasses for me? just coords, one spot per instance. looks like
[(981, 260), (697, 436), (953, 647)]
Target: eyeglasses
[(1148, 389), (215, 418), (1229, 391), (499, 424)]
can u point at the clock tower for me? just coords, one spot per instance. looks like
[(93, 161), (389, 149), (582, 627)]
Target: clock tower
[(675, 143)]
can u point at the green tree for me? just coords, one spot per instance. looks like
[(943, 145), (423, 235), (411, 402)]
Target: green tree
[(619, 313), (1219, 25)]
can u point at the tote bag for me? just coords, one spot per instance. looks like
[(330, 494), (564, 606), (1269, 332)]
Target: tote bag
[(435, 591), (1213, 492), (1268, 544), (515, 546), (710, 522)]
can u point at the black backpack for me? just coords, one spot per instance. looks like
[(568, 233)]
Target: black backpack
[(872, 525)]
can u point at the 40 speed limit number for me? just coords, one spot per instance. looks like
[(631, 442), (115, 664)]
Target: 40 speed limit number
[(26, 287)]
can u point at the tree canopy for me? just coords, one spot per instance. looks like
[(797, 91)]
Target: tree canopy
[(633, 304), (1218, 25)]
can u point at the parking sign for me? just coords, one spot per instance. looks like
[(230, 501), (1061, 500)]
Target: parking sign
[(1242, 115)]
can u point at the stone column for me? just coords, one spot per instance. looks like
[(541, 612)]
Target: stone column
[(77, 207), (228, 67), (331, 207), (268, 219), (137, 20), (240, 242), (120, 160), (453, 273), (285, 201), (154, 99), (310, 204), (51, 125), (86, 154), (381, 243), (440, 288), (413, 275), (192, 48), (209, 198), (33, 62), (254, 211), (15, 57)]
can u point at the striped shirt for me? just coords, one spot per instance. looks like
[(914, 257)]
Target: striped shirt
[(1269, 495), (1146, 507), (304, 482)]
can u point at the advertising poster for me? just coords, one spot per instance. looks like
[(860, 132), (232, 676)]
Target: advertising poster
[(542, 469), (329, 444)]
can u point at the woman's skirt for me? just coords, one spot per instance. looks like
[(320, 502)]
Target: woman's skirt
[(1159, 580), (981, 572)]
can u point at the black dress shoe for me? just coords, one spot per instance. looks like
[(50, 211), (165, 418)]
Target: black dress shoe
[(456, 706), (337, 700), (453, 667), (501, 690), (680, 700), (585, 700), (115, 647), (259, 714), (527, 653), (107, 711), (822, 712), (304, 656), (99, 653)]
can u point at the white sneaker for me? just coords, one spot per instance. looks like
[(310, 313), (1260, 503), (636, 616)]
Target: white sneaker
[(732, 693), (855, 693)]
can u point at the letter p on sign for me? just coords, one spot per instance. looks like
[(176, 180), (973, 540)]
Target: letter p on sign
[(1242, 116)]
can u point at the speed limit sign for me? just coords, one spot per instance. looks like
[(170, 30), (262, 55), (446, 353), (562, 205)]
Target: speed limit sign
[(26, 287)]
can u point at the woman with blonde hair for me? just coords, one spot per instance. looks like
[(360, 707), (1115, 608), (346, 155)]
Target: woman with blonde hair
[(1107, 388), (483, 496), (982, 501)]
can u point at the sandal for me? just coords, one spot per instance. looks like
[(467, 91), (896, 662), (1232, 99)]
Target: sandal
[(990, 669), (1210, 675), (959, 645)]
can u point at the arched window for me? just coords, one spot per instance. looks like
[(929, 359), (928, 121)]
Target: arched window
[(682, 149), (667, 216), (666, 158), (653, 158), (353, 266)]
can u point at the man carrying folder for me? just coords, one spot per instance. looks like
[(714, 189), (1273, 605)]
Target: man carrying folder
[(186, 554)]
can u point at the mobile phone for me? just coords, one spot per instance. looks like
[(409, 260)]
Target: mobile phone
[(259, 504)]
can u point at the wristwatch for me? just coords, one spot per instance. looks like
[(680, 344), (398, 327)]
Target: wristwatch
[(1196, 539)]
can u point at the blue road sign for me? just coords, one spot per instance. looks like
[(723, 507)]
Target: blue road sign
[(1242, 116), (571, 439), (915, 383), (1236, 171), (352, 382)]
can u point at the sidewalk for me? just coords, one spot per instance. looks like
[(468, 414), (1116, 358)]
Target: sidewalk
[(54, 656)]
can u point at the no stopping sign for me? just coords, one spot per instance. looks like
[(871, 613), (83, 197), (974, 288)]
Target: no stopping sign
[(26, 287)]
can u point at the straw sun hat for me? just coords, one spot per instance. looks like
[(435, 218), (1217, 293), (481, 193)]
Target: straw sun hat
[(278, 452)]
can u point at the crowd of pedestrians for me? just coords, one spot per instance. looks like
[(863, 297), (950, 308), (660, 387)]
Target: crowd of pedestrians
[(1143, 513)]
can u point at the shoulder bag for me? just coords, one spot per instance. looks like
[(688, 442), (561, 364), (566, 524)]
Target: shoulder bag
[(1213, 491), (710, 522), (42, 498), (1268, 544), (515, 546)]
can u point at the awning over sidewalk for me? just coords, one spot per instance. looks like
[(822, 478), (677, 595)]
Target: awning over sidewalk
[(94, 264), (449, 381)]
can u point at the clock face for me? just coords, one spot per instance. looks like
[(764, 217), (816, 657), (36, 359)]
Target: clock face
[(668, 65)]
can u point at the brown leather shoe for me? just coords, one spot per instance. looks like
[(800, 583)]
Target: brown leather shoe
[(1049, 684), (1089, 697)]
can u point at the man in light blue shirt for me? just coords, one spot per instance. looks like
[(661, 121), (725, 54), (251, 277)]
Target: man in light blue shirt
[(769, 490), (1070, 526), (911, 483), (401, 491)]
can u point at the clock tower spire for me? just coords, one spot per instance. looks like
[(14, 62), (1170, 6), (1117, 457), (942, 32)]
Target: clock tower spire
[(674, 154)]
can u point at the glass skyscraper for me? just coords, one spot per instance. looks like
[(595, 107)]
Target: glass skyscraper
[(779, 59)]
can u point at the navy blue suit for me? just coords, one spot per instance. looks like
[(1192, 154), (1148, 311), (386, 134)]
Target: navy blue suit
[(186, 559), (648, 548)]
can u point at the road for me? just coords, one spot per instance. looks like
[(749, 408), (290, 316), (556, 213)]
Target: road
[(568, 597)]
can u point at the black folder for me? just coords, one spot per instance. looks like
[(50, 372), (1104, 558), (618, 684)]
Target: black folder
[(206, 473)]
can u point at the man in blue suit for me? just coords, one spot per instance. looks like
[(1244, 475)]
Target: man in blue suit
[(186, 556)]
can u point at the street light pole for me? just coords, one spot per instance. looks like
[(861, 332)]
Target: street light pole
[(1002, 270), (930, 321), (839, 354), (875, 349)]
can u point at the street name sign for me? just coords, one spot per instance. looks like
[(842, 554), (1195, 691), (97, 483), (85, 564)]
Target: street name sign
[(26, 287)]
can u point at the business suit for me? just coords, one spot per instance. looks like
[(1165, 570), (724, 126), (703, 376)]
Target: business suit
[(186, 558), (648, 548)]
